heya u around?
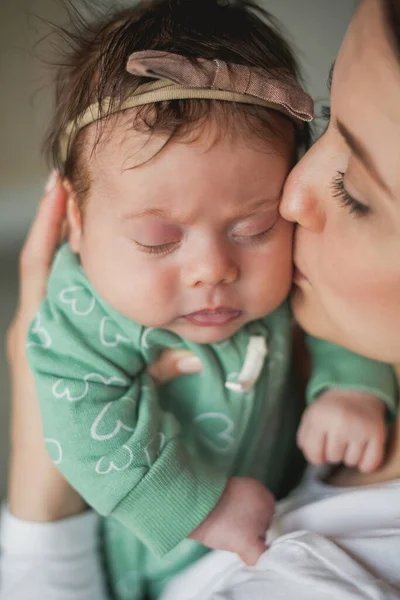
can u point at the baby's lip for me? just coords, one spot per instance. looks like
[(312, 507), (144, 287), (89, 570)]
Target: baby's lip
[(208, 317)]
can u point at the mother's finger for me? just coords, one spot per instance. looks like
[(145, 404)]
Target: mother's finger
[(173, 363), (41, 244)]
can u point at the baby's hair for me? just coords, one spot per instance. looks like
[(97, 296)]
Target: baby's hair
[(92, 67)]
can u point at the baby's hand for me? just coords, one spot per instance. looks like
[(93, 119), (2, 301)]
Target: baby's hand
[(239, 522), (344, 426)]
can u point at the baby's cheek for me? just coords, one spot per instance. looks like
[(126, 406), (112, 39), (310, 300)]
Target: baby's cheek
[(280, 263), (150, 296), (272, 279)]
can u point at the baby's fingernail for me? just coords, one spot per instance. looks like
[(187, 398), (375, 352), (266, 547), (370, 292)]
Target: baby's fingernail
[(51, 181), (189, 364)]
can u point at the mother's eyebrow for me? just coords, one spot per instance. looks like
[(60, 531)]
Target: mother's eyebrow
[(361, 152)]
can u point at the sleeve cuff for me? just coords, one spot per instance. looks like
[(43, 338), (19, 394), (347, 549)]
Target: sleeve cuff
[(173, 498), (336, 367)]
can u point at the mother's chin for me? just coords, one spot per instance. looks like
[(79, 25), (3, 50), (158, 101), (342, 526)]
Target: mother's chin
[(361, 328)]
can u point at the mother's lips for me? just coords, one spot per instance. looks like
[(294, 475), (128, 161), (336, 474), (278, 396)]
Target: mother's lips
[(298, 275)]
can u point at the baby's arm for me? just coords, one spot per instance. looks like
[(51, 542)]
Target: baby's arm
[(350, 397), (108, 435)]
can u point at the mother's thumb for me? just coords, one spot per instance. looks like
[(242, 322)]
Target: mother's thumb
[(172, 363)]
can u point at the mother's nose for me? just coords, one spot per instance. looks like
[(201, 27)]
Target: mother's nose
[(302, 196)]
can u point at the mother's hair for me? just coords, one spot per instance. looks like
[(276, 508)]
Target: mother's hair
[(392, 8)]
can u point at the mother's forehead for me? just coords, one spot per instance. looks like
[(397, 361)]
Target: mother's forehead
[(367, 70)]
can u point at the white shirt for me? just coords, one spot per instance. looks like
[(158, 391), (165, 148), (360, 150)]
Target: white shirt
[(327, 542)]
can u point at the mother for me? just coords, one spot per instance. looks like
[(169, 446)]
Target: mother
[(345, 195)]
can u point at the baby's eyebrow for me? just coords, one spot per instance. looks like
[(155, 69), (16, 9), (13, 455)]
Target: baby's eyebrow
[(150, 212), (245, 211)]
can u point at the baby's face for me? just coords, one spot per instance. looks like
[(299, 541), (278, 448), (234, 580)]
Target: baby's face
[(191, 241)]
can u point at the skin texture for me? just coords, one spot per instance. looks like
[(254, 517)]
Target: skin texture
[(196, 227)]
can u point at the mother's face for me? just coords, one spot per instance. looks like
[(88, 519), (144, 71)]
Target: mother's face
[(345, 195)]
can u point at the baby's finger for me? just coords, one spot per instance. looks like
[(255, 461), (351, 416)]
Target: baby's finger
[(335, 449), (372, 456), (304, 432), (173, 363), (251, 554), (314, 447), (300, 437), (41, 243), (353, 454)]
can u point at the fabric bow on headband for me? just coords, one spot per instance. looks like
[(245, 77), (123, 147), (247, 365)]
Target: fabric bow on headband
[(180, 78)]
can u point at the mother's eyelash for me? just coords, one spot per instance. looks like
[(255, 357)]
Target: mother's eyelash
[(339, 191)]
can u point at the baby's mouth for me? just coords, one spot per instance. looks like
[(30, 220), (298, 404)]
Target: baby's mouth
[(213, 317)]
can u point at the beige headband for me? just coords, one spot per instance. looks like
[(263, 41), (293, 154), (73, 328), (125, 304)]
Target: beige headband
[(180, 78)]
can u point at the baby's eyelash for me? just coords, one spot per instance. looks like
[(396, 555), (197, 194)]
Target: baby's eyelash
[(164, 249), (160, 250), (253, 239), (339, 191)]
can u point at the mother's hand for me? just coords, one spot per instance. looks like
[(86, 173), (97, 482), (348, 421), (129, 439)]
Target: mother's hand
[(37, 491)]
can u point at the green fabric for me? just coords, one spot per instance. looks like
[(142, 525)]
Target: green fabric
[(352, 372), (136, 573), (157, 459)]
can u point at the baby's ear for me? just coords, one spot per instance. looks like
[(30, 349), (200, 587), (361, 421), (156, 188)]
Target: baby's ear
[(74, 218)]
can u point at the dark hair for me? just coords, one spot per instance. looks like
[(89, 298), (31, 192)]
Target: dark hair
[(93, 66), (392, 8)]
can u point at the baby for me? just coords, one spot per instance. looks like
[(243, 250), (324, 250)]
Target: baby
[(176, 125)]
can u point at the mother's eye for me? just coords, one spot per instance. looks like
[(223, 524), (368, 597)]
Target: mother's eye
[(339, 191)]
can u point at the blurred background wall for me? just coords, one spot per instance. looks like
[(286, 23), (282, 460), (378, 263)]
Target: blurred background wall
[(316, 27)]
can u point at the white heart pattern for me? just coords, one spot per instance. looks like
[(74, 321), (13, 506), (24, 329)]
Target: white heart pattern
[(224, 442), (154, 448), (146, 344), (223, 343), (111, 464), (145, 335), (43, 334), (119, 424), (56, 443), (110, 341), (77, 295), (61, 390)]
